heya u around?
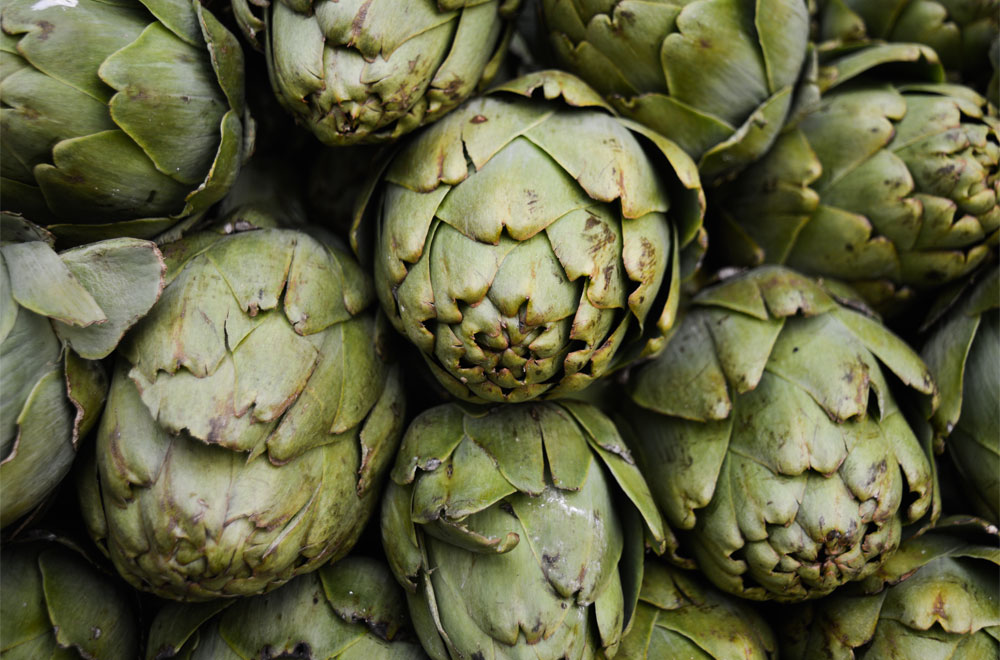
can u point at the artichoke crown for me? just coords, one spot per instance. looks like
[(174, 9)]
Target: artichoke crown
[(775, 435)]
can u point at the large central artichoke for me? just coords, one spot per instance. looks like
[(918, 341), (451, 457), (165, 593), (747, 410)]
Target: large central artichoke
[(769, 428), (250, 418), (119, 118), (715, 76), (525, 244)]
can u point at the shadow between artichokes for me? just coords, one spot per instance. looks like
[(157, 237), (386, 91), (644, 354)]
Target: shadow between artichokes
[(121, 118), (251, 417), (769, 429), (516, 531), (529, 242)]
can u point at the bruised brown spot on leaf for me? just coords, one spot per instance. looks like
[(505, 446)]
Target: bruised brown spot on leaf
[(46, 29), (359, 20), (479, 119)]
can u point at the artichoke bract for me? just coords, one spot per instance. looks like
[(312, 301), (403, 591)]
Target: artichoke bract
[(937, 598), (715, 76), (893, 188), (363, 71), (527, 245), (55, 603), (963, 352), (59, 314), (250, 419), (768, 429), (347, 610), (678, 616), (120, 118), (516, 531), (960, 31)]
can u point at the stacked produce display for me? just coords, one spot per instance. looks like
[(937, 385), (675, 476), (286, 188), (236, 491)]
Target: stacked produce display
[(499, 329)]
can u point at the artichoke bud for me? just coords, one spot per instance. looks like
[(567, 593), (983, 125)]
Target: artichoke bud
[(893, 187), (770, 430), (250, 419), (936, 598), (544, 495), (679, 616), (715, 76), (119, 119), (57, 604), (530, 242), (60, 313), (347, 610), (963, 352), (363, 71)]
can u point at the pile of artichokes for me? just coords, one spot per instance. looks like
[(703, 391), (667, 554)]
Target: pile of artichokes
[(499, 329)]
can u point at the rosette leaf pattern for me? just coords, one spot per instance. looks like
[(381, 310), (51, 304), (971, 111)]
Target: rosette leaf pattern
[(893, 188), (363, 71), (715, 76), (937, 598), (541, 495), (251, 416), (528, 246), (119, 118), (769, 429)]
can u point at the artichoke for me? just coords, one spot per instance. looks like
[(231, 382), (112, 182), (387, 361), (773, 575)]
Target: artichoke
[(963, 352), (348, 610), (473, 508), (361, 71), (56, 604), (937, 598), (119, 118), (769, 430), (250, 419), (528, 246), (59, 314), (680, 617), (715, 76), (959, 31), (892, 187)]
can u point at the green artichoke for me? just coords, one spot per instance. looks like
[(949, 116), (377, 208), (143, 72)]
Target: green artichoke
[(680, 617), (891, 187), (474, 509), (119, 118), (963, 353), (357, 71), (59, 315), (769, 430), (528, 246), (937, 598), (251, 417), (347, 610), (715, 76), (959, 31), (56, 604)]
